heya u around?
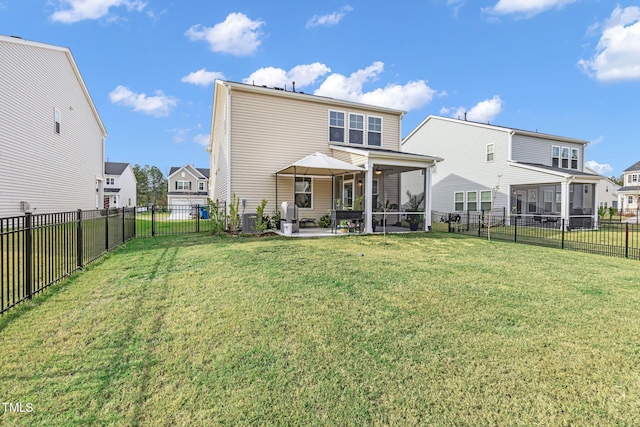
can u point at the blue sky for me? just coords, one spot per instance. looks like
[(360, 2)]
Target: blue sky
[(564, 67)]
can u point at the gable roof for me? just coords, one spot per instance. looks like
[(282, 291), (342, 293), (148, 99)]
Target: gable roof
[(114, 168), (203, 171), (74, 66), (554, 170), (283, 92), (634, 167), (533, 134)]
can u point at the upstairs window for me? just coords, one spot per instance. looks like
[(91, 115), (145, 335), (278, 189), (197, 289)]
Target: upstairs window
[(374, 128), (555, 156), (201, 186), (634, 178), (57, 119), (574, 158), (336, 126), (489, 152), (111, 181), (183, 185), (356, 129), (565, 158)]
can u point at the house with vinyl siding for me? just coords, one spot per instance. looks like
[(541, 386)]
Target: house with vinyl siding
[(51, 138), (188, 185), (629, 194), (511, 171), (258, 133), (120, 185)]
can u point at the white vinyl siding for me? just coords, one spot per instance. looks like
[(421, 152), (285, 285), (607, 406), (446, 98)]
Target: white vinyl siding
[(42, 79)]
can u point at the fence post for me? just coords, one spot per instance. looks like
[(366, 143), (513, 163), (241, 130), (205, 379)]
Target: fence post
[(124, 225), (563, 228), (626, 244), (79, 239), (135, 210), (106, 230), (28, 256), (480, 221), (197, 218), (515, 229), (153, 220)]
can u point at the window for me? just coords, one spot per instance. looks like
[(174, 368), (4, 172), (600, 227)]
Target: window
[(634, 178), (57, 120), (201, 186), (458, 199), (533, 201), (574, 158), (472, 201), (336, 126), (558, 201), (303, 192), (111, 181), (356, 129), (565, 157), (485, 200), (183, 185), (374, 135), (548, 201), (555, 156), (489, 152), (374, 194), (630, 200)]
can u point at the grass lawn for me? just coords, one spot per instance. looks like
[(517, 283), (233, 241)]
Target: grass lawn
[(430, 329)]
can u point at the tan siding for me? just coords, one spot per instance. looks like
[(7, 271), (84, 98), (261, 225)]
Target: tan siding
[(52, 172), (219, 157)]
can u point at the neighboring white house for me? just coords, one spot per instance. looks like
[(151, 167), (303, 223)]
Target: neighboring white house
[(188, 185), (607, 192), (629, 193), (508, 170), (120, 185), (51, 136)]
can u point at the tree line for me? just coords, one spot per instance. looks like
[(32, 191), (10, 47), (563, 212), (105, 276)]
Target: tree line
[(152, 185)]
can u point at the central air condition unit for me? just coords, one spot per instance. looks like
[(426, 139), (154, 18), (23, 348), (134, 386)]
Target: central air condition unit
[(249, 223)]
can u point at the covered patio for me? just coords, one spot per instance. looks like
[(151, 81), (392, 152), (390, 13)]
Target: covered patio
[(361, 179)]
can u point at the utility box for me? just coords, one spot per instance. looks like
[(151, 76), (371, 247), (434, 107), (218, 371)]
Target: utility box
[(249, 223)]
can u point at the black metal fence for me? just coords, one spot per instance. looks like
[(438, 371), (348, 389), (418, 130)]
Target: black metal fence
[(156, 220), (37, 250), (579, 233)]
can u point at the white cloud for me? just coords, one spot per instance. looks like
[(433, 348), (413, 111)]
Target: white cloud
[(302, 75), (201, 139), (602, 169), (330, 19), (202, 77), (525, 8), (412, 95), (617, 55), (483, 112), (237, 35), (70, 11), (159, 105)]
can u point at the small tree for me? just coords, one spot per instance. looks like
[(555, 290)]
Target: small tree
[(261, 226), (234, 214)]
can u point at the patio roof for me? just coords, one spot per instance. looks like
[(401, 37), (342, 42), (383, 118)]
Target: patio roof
[(321, 165)]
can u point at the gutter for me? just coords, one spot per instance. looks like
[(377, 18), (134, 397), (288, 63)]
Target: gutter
[(228, 86)]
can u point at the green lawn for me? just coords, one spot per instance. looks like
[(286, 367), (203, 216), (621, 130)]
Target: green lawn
[(430, 329)]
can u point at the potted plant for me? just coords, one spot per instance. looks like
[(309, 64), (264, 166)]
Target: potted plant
[(414, 206), (344, 226)]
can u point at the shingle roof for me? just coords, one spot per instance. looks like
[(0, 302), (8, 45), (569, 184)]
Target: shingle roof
[(561, 170), (203, 171), (114, 168), (635, 167)]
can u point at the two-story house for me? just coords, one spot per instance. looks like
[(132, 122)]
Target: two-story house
[(606, 191), (120, 185), (317, 152), (51, 137), (188, 186), (629, 194), (500, 169)]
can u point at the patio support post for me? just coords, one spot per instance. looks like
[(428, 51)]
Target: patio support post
[(294, 185), (276, 190), (368, 196), (564, 211), (427, 199)]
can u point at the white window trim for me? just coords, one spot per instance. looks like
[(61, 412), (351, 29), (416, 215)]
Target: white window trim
[(477, 202), (203, 184), (344, 127), (493, 153), (559, 155), (57, 121), (110, 181), (348, 137), (490, 200), (296, 192), (571, 151), (568, 157), (381, 129), (464, 201), (178, 182)]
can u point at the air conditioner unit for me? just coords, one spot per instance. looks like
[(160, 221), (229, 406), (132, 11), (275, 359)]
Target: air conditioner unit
[(249, 223)]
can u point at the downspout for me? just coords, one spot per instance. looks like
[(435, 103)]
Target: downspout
[(509, 146)]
